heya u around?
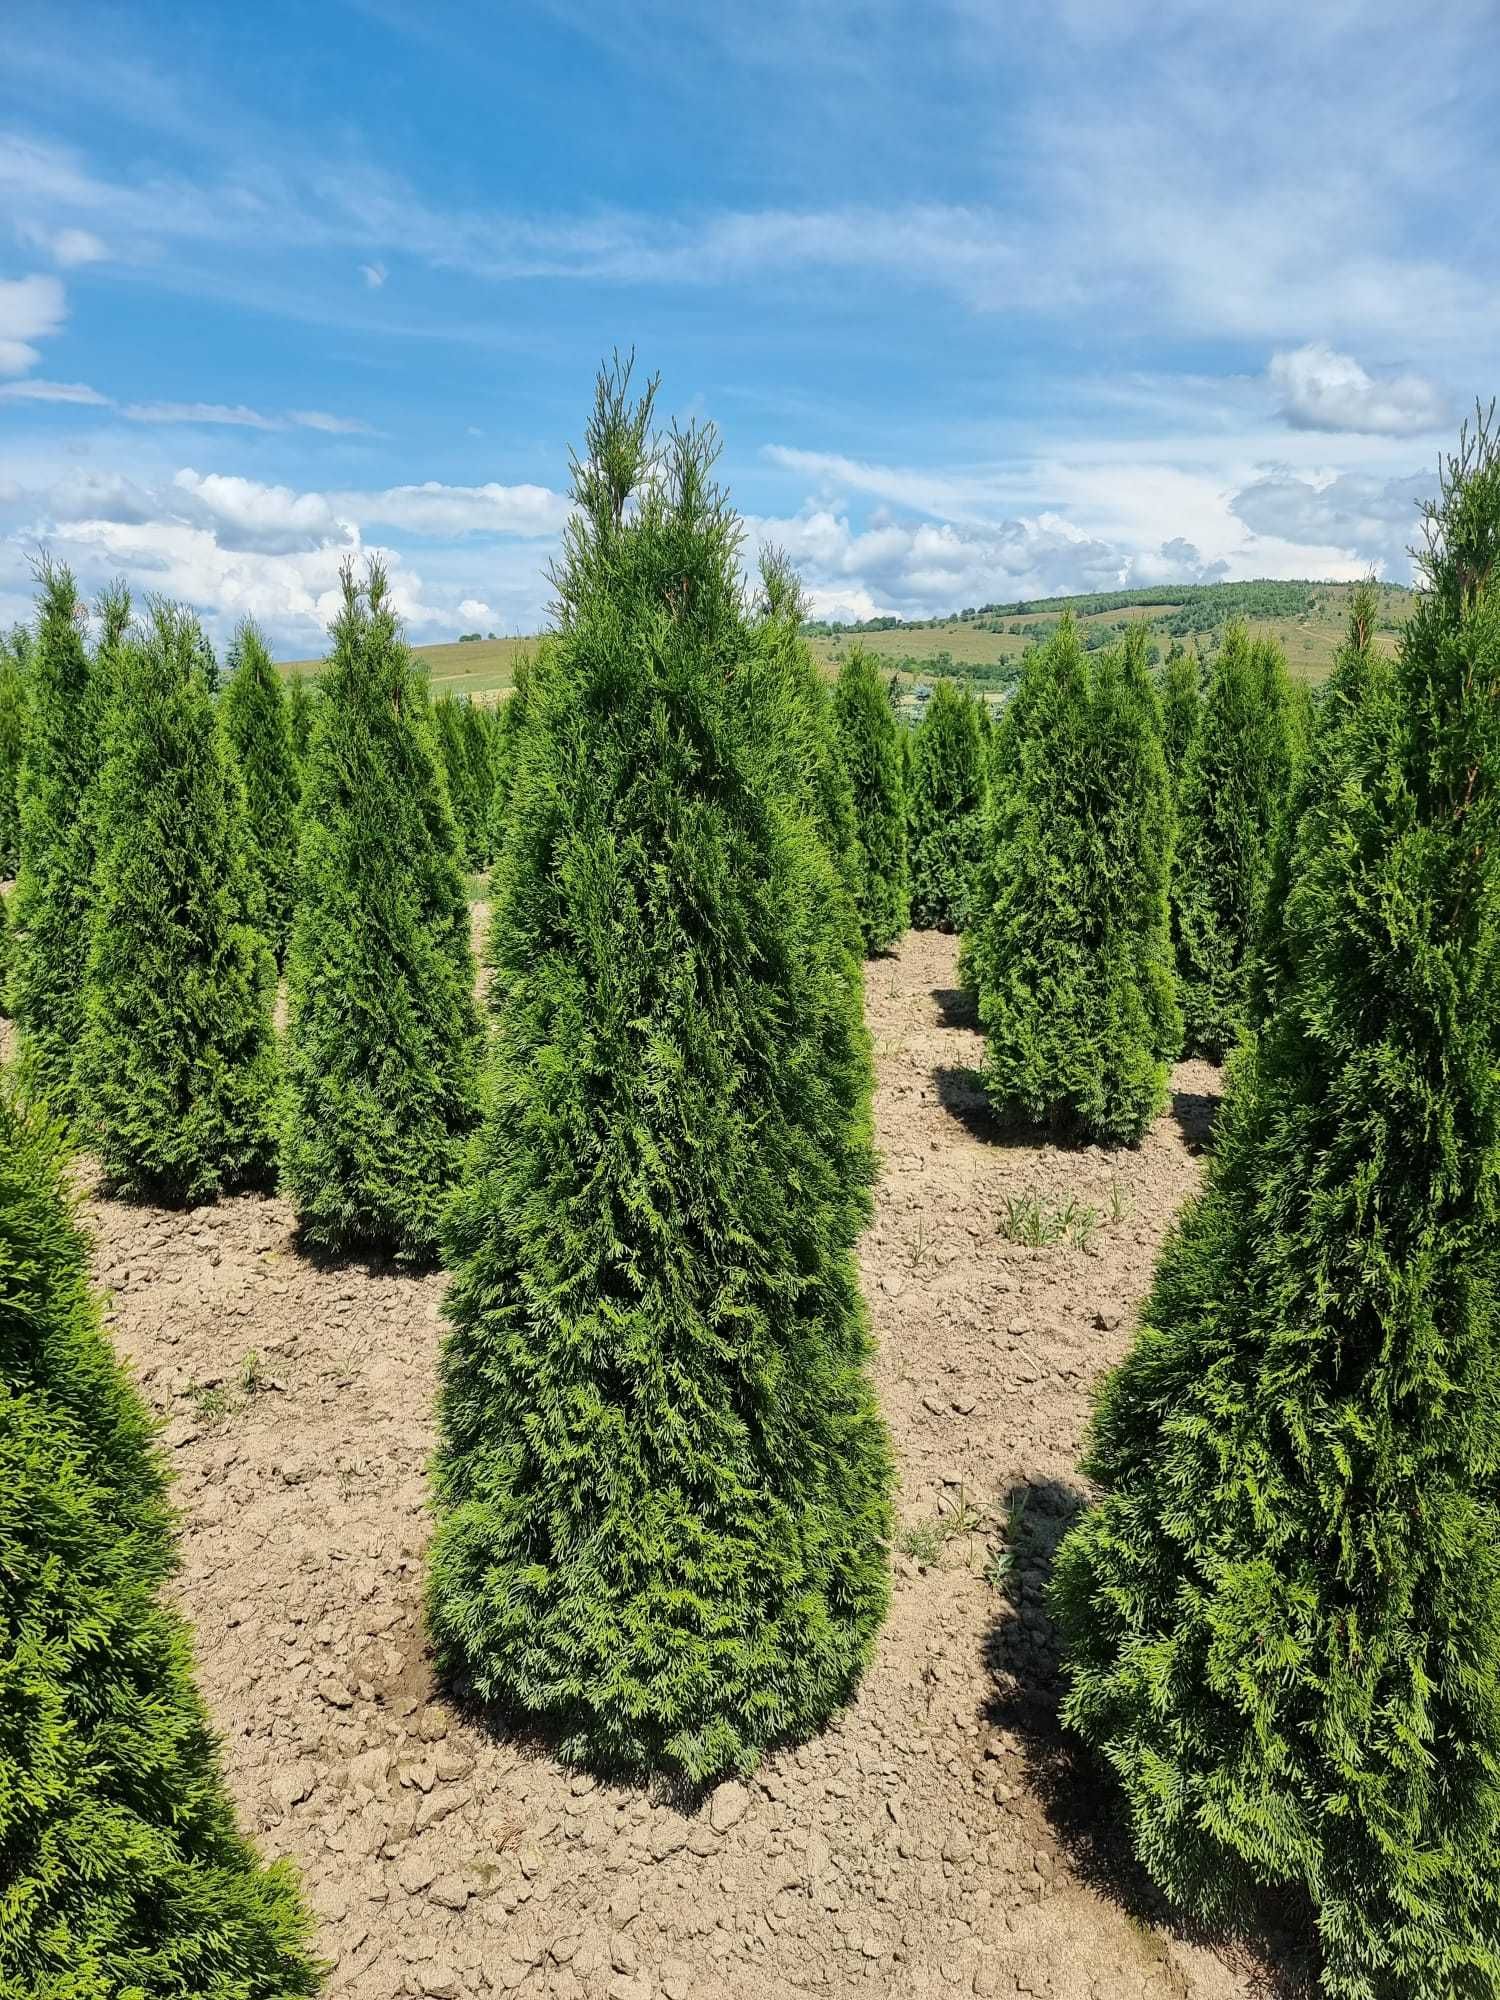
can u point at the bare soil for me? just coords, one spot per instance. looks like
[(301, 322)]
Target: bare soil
[(938, 1838)]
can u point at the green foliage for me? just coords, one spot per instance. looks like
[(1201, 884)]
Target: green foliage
[(870, 744), (663, 1484), (1180, 702), (123, 1873), (301, 706), (255, 717), (462, 732), (1282, 1621), (177, 1062), (1068, 954), (945, 799), (509, 724), (54, 891), (1235, 782), (383, 1034), (12, 744)]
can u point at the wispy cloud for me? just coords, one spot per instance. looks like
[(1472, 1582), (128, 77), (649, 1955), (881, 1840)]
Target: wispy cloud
[(239, 416), (374, 275), (35, 390), (31, 309)]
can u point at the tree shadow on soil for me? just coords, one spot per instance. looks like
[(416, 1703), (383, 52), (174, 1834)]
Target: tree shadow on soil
[(961, 1093), (1274, 1946), (955, 1007), (359, 1260), (1195, 1112)]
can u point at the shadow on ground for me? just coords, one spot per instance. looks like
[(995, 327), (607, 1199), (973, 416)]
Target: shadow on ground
[(1274, 1947), (955, 1008), (1195, 1112)]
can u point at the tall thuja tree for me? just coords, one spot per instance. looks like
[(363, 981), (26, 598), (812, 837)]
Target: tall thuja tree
[(1180, 702), (177, 1061), (383, 1033), (662, 1487), (1137, 826), (944, 808), (452, 735), (254, 712), (300, 705), (812, 735), (1235, 782), (54, 891), (1322, 767), (479, 773), (1282, 1620), (12, 744), (124, 1873), (1072, 1041), (869, 740), (509, 724)]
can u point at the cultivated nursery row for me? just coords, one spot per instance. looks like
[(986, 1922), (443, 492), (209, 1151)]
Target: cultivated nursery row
[(662, 1493)]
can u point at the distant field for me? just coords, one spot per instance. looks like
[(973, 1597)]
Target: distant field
[(482, 668), (1309, 633)]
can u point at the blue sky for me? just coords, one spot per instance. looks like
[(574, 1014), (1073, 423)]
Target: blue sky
[(987, 301)]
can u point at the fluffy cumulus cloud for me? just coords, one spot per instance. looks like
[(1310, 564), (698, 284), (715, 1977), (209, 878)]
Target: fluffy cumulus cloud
[(1351, 515), (233, 547), (1320, 390)]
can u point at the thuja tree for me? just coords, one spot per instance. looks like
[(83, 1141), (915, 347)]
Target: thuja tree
[(1072, 1024), (1137, 827), (457, 738), (383, 1033), (662, 1486), (1321, 770), (66, 692), (177, 1061), (811, 737), (1234, 785), (300, 703), (480, 733), (12, 742), (1180, 702), (944, 805), (869, 741), (1282, 1620), (510, 722), (124, 1873), (254, 712)]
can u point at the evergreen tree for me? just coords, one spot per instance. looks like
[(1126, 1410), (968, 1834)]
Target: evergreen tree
[(1282, 1620), (383, 1034), (54, 891), (1180, 703), (468, 800), (254, 713), (812, 739), (12, 745), (1234, 784), (944, 802), (870, 741), (663, 1485), (123, 1873), (176, 1069), (299, 711), (1073, 1021), (509, 724), (479, 777)]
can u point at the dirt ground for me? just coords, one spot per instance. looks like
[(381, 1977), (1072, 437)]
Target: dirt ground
[(938, 1838)]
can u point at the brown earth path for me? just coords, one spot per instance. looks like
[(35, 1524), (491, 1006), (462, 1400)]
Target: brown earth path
[(935, 1840)]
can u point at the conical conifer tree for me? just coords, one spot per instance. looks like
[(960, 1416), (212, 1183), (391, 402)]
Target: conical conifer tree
[(662, 1487), (383, 1033), (509, 724), (1081, 832), (945, 800), (468, 799), (869, 740), (1235, 782), (254, 712), (123, 1874), (177, 1061), (479, 764), (66, 693), (813, 740), (1180, 703), (300, 702), (1282, 1620), (12, 743)]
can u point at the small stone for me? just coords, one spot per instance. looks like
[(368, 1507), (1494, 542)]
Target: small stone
[(335, 1693), (440, 1982), (433, 1726), (668, 1837), (450, 1892), (453, 1765), (1106, 1319), (630, 1986), (414, 1872), (728, 1806), (622, 1954)]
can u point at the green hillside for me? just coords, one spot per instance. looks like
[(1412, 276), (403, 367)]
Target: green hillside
[(984, 643)]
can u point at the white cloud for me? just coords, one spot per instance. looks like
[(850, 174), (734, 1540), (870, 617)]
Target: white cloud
[(374, 275), (1321, 390), (320, 420), (30, 309), (1356, 516), (200, 413), (449, 511), (36, 390), (244, 514), (68, 247)]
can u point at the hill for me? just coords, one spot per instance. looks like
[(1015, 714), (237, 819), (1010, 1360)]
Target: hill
[(984, 643)]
